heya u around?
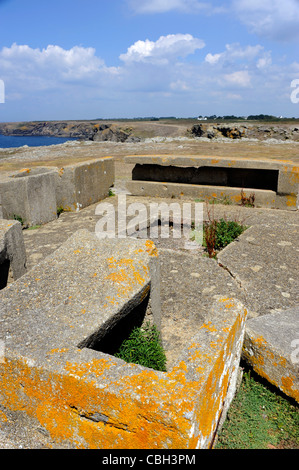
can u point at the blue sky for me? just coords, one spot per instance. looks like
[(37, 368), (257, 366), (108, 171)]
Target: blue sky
[(136, 58)]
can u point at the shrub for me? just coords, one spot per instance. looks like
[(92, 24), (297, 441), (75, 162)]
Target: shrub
[(144, 347)]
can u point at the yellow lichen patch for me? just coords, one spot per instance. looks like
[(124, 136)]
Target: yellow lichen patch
[(209, 326), (58, 351), (151, 248), (3, 417), (288, 387), (110, 300), (125, 275), (291, 201), (260, 341), (96, 367)]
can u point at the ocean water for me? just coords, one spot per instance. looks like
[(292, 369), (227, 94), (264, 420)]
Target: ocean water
[(9, 141)]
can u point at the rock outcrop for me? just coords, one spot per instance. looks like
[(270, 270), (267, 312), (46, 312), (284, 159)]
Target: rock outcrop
[(250, 131), (89, 130)]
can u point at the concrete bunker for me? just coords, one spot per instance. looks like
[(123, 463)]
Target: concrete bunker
[(230, 177), (273, 182)]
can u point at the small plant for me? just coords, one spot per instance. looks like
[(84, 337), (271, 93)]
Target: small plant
[(111, 193), (144, 347), (217, 234), (225, 200), (247, 201), (60, 210), (19, 219), (34, 227)]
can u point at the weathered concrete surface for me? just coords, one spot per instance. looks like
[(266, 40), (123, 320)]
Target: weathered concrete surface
[(264, 261), (30, 195), (278, 179), (271, 347), (35, 194), (83, 184), (81, 397), (12, 251), (263, 198)]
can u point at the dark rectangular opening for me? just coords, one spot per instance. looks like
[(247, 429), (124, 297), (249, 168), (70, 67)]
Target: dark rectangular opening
[(214, 176), (111, 335), (4, 273)]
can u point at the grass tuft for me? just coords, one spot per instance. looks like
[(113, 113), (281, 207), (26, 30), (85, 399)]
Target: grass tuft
[(144, 347)]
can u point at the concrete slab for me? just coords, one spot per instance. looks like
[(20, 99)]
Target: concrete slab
[(74, 295), (271, 347), (264, 261)]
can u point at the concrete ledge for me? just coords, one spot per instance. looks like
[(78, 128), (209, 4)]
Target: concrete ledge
[(194, 191), (280, 178), (12, 251), (83, 184), (52, 370), (271, 347)]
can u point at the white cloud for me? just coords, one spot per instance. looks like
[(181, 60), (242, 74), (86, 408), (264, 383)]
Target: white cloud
[(163, 6), (240, 78), (154, 78), (274, 19), (213, 59), (165, 49), (233, 53), (52, 64)]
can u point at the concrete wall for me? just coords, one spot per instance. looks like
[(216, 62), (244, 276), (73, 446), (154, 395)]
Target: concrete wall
[(29, 195), (33, 195), (83, 184), (12, 251)]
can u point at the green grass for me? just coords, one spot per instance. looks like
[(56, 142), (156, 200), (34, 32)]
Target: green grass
[(144, 347), (260, 417), (217, 234), (227, 232)]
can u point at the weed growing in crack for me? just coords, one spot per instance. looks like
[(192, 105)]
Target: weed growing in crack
[(217, 234)]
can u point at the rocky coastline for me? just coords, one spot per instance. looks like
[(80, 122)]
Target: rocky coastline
[(134, 131)]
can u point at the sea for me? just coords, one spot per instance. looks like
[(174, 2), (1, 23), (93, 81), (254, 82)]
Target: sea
[(10, 141)]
